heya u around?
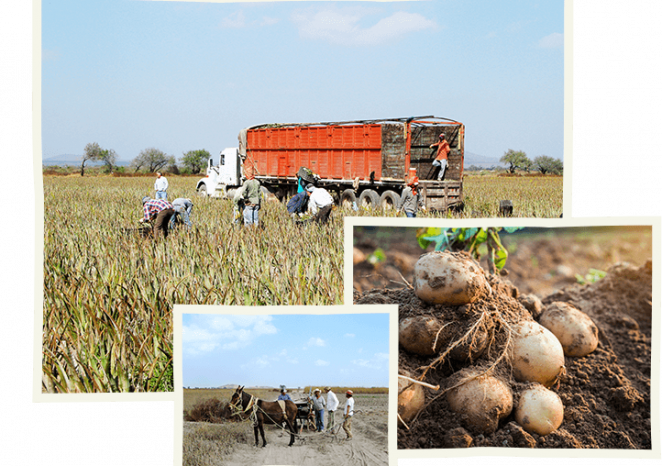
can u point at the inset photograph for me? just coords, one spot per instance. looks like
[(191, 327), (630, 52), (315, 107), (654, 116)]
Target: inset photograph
[(517, 337), (305, 389)]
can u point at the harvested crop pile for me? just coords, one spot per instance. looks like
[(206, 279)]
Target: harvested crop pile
[(605, 395)]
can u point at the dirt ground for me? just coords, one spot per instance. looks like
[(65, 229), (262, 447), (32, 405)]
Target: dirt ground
[(606, 395), (368, 447)]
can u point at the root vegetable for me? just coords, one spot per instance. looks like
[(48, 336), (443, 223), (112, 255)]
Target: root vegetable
[(448, 278), (411, 398), (419, 334), (536, 354), (483, 401), (574, 329), (539, 410)]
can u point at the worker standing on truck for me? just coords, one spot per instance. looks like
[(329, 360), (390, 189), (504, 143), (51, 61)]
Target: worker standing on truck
[(443, 149), (411, 198), (320, 203), (161, 186), (251, 195), (160, 211)]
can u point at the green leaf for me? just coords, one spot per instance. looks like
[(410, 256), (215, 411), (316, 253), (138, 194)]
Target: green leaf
[(500, 257)]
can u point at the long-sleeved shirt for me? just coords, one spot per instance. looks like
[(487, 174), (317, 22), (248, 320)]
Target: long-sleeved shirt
[(332, 401), (319, 198), (184, 202), (410, 201), (284, 397), (154, 206), (250, 191), (161, 184)]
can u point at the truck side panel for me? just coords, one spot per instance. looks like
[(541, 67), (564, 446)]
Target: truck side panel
[(394, 139), (333, 152)]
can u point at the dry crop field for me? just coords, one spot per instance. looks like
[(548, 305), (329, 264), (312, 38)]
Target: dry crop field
[(223, 442), (109, 292)]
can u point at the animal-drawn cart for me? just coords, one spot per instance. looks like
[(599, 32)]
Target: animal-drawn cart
[(305, 415)]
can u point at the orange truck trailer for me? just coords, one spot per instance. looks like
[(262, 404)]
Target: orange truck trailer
[(366, 162)]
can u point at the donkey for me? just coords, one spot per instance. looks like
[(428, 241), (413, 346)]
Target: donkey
[(265, 411)]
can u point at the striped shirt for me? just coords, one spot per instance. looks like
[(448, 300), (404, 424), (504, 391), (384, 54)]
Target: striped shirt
[(154, 206)]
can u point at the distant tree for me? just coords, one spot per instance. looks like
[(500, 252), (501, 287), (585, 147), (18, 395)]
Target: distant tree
[(195, 160), (152, 159), (515, 160), (109, 158), (92, 152), (545, 164)]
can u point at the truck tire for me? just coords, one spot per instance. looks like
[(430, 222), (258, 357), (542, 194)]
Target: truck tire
[(202, 190), (369, 199), (347, 198), (390, 200)]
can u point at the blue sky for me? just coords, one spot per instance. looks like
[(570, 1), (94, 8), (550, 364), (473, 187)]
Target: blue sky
[(294, 350), (181, 76)]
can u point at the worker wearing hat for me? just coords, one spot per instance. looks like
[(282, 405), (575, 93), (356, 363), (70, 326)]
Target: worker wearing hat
[(443, 149), (331, 404), (318, 405), (284, 396), (348, 412), (410, 198), (160, 211)]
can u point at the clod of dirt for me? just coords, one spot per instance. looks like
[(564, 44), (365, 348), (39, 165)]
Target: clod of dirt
[(532, 303), (458, 438)]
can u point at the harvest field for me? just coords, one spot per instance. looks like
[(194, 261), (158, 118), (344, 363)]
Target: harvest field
[(215, 440), (109, 292), (598, 399)]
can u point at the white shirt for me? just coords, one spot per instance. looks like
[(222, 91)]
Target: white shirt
[(161, 184), (332, 401), (349, 403), (319, 198)]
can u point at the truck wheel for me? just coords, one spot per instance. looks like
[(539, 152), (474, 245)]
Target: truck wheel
[(390, 200), (202, 190), (347, 198), (369, 199)]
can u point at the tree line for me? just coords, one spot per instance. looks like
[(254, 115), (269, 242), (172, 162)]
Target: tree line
[(150, 160), (517, 160)]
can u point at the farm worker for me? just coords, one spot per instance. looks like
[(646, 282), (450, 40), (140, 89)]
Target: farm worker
[(298, 204), (284, 396), (251, 196), (160, 211), (320, 203), (348, 412), (410, 198), (331, 404), (318, 406), (183, 208), (443, 148), (161, 186)]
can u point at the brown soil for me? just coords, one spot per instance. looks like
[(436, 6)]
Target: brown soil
[(606, 395)]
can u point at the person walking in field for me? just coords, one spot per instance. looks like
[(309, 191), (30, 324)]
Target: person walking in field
[(183, 208), (250, 195), (320, 203), (410, 198), (443, 149), (331, 405), (318, 405), (348, 412), (161, 186), (159, 211)]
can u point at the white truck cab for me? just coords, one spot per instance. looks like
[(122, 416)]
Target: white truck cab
[(222, 177)]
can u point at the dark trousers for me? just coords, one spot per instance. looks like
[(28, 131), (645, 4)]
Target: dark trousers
[(161, 222), (322, 215)]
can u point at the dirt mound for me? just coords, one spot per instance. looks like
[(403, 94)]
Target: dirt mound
[(606, 395)]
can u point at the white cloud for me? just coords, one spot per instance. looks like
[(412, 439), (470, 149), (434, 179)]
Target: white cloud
[(341, 26), (231, 332), (320, 362), (234, 21), (350, 335), (266, 21), (376, 362), (316, 342), (551, 41)]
